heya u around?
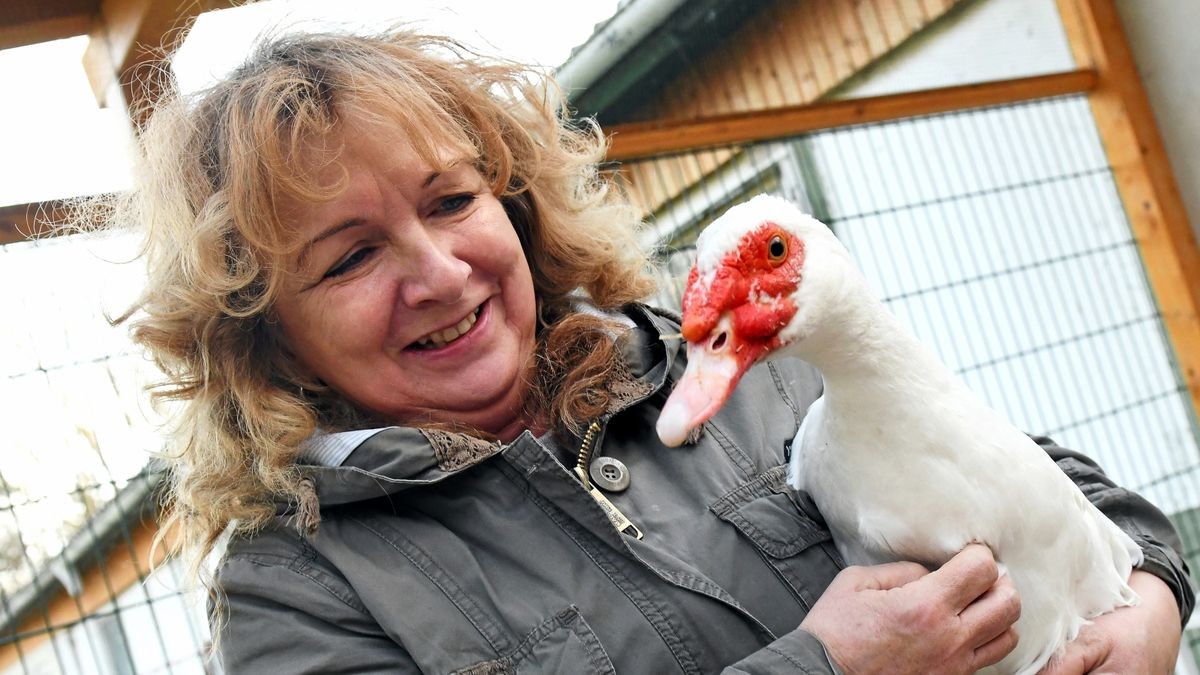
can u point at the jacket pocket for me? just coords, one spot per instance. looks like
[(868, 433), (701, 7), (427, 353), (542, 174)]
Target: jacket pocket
[(563, 643), (786, 529)]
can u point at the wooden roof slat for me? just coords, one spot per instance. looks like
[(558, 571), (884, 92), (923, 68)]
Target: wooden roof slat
[(128, 38), (128, 42), (646, 139), (27, 22), (22, 222)]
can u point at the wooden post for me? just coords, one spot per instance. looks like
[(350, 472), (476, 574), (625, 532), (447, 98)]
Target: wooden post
[(128, 42), (1143, 176)]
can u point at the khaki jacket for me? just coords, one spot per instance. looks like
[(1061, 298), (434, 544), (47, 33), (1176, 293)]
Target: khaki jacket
[(439, 553)]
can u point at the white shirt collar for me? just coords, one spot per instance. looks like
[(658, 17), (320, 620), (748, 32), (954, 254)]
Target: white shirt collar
[(331, 449)]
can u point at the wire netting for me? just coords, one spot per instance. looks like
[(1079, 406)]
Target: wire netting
[(76, 485)]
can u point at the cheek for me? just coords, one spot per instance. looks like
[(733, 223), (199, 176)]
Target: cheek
[(505, 259), (325, 329), (522, 297), (492, 242), (305, 337), (294, 324)]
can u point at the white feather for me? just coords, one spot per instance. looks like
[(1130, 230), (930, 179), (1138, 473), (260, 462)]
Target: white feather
[(906, 463)]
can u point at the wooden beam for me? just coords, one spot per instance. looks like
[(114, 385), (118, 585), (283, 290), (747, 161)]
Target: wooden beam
[(129, 40), (27, 22), (126, 564), (647, 139), (1143, 176), (21, 222), (24, 222), (44, 30)]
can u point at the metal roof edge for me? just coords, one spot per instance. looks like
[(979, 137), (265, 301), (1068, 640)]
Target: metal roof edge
[(613, 40)]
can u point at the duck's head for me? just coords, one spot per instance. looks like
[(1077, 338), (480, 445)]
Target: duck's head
[(762, 281)]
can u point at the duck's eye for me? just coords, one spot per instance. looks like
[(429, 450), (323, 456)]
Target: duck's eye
[(776, 250)]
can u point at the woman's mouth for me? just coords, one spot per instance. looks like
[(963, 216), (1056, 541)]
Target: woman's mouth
[(440, 338)]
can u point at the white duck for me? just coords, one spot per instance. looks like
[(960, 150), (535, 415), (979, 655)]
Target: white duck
[(904, 461)]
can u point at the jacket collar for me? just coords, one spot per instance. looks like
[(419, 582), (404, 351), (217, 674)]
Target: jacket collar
[(399, 458)]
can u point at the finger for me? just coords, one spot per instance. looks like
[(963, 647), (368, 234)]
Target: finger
[(1081, 656), (1070, 663), (995, 649), (965, 577), (993, 612), (890, 575)]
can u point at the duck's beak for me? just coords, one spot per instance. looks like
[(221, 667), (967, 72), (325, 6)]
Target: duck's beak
[(706, 383)]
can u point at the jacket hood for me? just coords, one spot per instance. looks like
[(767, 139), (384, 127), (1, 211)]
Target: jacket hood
[(401, 458)]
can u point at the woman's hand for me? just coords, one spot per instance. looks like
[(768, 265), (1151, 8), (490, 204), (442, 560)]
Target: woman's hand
[(902, 618), (1140, 640)]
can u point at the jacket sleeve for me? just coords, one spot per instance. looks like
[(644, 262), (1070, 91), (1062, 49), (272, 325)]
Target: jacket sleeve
[(1140, 519), (797, 652), (275, 615)]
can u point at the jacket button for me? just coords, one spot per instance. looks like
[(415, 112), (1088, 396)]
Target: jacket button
[(609, 474)]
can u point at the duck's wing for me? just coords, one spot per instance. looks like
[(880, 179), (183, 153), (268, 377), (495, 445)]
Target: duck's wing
[(811, 427)]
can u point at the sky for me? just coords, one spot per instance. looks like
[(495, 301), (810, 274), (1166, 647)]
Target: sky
[(56, 142)]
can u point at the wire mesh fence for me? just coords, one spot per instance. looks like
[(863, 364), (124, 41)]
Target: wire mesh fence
[(999, 238), (76, 516)]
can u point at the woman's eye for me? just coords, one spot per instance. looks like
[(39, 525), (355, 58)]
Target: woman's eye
[(454, 203), (350, 262)]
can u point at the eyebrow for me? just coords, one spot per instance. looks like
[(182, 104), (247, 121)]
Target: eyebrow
[(306, 250)]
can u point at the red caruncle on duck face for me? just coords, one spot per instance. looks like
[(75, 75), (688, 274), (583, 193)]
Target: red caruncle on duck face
[(753, 283), (733, 310)]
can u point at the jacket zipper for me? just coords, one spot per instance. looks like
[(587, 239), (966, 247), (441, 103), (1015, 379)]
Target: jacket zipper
[(584, 458)]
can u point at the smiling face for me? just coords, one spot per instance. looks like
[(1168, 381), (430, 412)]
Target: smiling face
[(412, 296)]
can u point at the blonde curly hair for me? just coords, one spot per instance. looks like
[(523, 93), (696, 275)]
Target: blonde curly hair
[(214, 168)]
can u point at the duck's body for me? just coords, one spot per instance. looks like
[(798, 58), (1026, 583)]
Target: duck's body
[(904, 462)]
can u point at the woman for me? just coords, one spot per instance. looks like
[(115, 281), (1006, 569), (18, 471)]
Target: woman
[(394, 297)]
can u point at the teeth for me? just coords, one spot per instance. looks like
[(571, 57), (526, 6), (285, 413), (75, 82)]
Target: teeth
[(441, 338)]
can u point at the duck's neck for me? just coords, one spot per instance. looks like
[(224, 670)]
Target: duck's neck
[(869, 359)]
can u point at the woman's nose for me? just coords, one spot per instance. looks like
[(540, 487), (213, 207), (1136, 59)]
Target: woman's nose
[(435, 275)]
